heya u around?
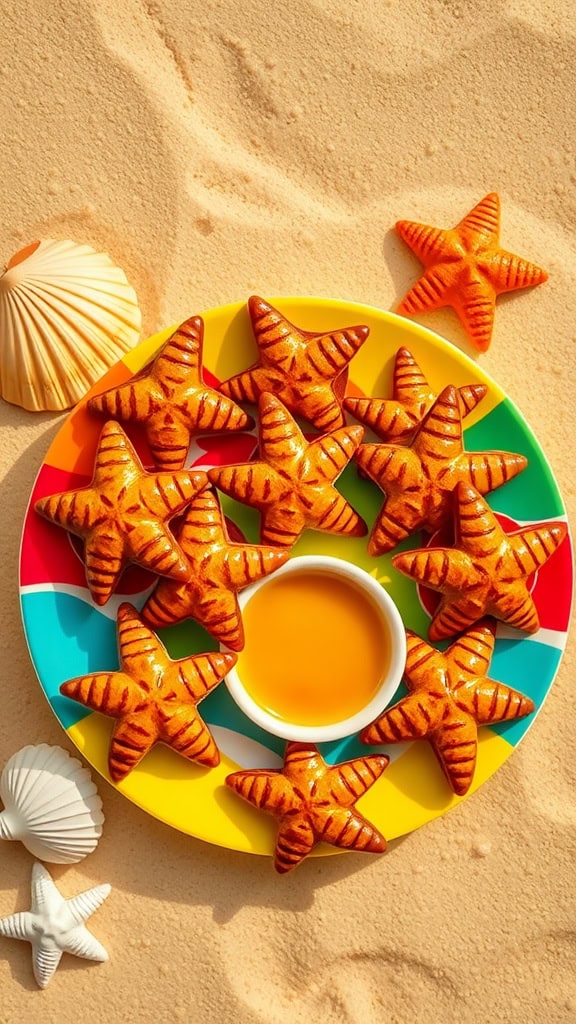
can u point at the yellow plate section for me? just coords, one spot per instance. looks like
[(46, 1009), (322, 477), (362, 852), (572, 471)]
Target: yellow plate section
[(196, 800)]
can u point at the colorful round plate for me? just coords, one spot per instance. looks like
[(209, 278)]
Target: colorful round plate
[(69, 636)]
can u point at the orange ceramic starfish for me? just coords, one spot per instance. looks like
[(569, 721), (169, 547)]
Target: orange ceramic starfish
[(466, 269), (395, 420), (171, 399), (218, 570), (292, 484), (486, 570), (153, 697), (418, 480), (314, 802), (450, 696), (300, 367), (123, 515)]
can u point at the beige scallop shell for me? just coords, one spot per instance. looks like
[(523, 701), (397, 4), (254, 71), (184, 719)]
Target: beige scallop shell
[(67, 314), (51, 805)]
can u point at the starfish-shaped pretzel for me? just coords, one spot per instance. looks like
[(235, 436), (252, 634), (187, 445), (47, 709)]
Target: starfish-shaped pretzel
[(54, 925), (123, 515), (418, 480), (301, 367), (218, 570), (314, 802), (172, 401), (486, 570), (395, 420), (466, 269), (292, 483), (450, 696), (153, 697)]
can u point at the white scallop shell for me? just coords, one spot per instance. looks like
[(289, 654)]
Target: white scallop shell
[(50, 804), (67, 314)]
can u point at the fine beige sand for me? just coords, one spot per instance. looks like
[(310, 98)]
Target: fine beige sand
[(220, 148)]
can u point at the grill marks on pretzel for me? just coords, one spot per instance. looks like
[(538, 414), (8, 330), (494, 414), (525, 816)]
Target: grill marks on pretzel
[(450, 696)]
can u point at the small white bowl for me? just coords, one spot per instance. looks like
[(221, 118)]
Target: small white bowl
[(391, 622)]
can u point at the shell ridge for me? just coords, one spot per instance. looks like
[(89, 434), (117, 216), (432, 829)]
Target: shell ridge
[(67, 314), (51, 804)]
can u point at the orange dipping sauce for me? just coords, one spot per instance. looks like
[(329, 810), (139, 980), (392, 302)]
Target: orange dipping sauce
[(317, 648)]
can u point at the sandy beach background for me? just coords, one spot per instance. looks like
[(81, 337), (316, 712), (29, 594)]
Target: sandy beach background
[(220, 148)]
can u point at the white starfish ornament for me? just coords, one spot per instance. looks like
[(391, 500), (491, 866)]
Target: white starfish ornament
[(55, 926)]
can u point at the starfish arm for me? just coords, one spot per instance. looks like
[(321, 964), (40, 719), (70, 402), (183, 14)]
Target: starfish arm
[(112, 693), (398, 518), (480, 229), (210, 411), (203, 526), (439, 568), (282, 526), (218, 612), (392, 468), (331, 353), (412, 718), (80, 942), (320, 407), (388, 418), (43, 891), (151, 545), (275, 336), (18, 926), (351, 779), (470, 395), (346, 828), (454, 615), (248, 385), (243, 564), (509, 273), (475, 302), (331, 453), (82, 906), (170, 602), (115, 457), (133, 402), (426, 668), (488, 470), (410, 386), (73, 510), (469, 657), (489, 701), (427, 243), (256, 484), (294, 841), (513, 604), (186, 733), (105, 561), (140, 648), (477, 530), (268, 790), (280, 438), (168, 439), (133, 736), (455, 744), (531, 548), (45, 959), (180, 359), (430, 292), (439, 437), (193, 678), (333, 514)]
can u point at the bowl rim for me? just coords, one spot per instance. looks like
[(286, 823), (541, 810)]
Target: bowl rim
[(386, 607)]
